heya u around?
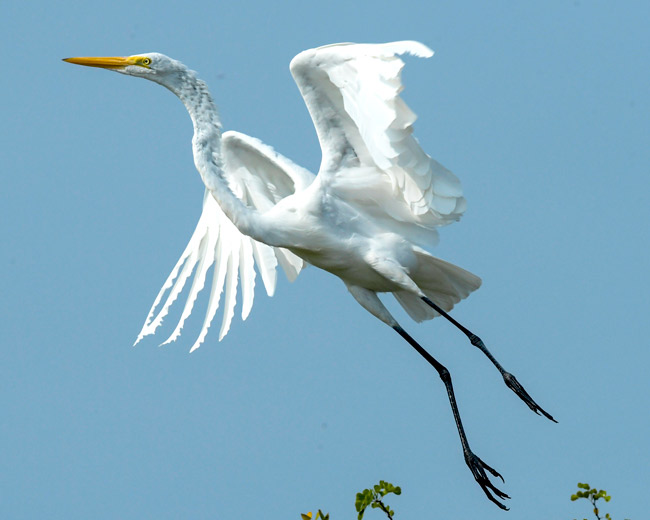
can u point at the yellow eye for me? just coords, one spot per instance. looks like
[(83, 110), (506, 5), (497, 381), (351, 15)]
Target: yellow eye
[(146, 61)]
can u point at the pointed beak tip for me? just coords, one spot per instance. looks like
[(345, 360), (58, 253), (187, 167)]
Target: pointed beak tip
[(107, 62)]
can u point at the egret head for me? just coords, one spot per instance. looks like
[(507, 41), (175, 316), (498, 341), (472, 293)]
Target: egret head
[(152, 65)]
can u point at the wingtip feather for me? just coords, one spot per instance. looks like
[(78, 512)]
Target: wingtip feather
[(411, 47)]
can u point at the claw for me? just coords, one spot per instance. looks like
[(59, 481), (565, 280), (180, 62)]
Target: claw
[(478, 467), (515, 386), (493, 471)]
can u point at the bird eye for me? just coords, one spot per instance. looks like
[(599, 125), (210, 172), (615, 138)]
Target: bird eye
[(146, 61)]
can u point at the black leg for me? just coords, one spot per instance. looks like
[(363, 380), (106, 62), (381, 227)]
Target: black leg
[(475, 464), (509, 379)]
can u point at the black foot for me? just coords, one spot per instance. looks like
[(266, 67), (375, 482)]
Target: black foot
[(510, 380), (478, 467), (515, 386)]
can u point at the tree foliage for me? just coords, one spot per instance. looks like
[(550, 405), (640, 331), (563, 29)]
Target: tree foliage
[(367, 497), (319, 516), (373, 498), (593, 495)]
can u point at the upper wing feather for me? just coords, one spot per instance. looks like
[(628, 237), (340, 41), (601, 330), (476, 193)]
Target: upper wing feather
[(365, 130), (260, 177)]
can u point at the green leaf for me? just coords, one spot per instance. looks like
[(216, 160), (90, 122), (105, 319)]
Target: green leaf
[(363, 499), (357, 502)]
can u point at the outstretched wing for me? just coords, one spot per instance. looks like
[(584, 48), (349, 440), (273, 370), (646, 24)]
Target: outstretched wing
[(370, 156), (260, 177)]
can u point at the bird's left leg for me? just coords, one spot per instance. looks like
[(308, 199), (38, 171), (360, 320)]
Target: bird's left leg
[(509, 379), (370, 301)]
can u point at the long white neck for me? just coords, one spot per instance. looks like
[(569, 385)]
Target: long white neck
[(206, 145)]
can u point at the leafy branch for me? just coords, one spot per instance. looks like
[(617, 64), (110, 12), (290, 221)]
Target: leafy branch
[(593, 495), (373, 498), (368, 497)]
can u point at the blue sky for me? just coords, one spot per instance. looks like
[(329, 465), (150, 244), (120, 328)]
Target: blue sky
[(540, 108)]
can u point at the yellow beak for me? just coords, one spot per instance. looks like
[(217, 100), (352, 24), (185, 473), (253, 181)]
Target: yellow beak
[(109, 62)]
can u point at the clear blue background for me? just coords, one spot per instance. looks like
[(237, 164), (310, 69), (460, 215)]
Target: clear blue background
[(542, 110)]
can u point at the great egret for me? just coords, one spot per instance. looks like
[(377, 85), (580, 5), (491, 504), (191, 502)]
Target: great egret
[(376, 202)]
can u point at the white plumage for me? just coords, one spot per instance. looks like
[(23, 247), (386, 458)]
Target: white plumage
[(367, 216), (373, 171), (260, 178)]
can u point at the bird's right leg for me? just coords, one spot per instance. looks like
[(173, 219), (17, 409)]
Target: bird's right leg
[(509, 379), (370, 301)]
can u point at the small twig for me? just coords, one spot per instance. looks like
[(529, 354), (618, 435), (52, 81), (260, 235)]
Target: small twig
[(593, 499), (384, 509)]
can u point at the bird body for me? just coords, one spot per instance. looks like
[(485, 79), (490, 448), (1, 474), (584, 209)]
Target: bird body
[(328, 232), (367, 217)]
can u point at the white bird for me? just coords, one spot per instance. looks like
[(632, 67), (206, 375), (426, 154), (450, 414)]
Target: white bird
[(367, 216)]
